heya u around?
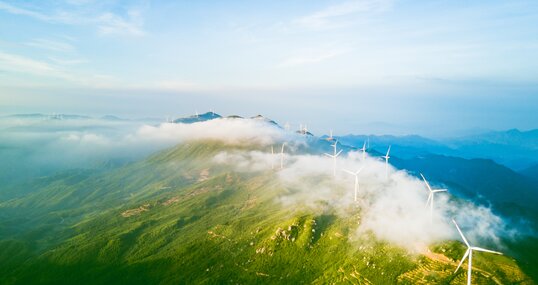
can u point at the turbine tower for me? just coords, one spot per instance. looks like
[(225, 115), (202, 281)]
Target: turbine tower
[(334, 156), (363, 149), (431, 195), (282, 156), (469, 253), (356, 174), (387, 162), (272, 157)]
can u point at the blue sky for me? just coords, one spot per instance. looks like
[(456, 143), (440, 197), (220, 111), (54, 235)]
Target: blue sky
[(427, 67)]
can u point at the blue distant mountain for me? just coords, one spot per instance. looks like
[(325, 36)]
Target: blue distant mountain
[(198, 118), (111, 118), (531, 172), (513, 148), (264, 119)]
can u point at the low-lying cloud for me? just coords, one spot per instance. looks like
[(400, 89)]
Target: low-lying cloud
[(393, 208), (32, 146)]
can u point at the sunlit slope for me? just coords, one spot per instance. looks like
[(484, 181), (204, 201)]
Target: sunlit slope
[(178, 217)]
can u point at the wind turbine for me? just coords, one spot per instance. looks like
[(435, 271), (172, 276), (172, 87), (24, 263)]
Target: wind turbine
[(469, 253), (356, 174), (196, 114), (387, 162), (272, 157), (334, 156), (430, 197), (363, 149), (282, 156), (331, 135)]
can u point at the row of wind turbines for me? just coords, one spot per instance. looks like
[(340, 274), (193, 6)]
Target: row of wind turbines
[(430, 201)]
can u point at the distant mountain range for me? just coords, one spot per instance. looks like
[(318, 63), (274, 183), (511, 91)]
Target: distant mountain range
[(513, 148)]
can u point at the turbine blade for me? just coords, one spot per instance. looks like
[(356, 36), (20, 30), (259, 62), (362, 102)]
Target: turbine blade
[(426, 182), (439, 190), (463, 259), (486, 250), (359, 171), (350, 172), (329, 155), (388, 151), (338, 153), (461, 234)]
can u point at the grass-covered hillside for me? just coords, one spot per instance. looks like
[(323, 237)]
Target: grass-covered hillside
[(179, 217)]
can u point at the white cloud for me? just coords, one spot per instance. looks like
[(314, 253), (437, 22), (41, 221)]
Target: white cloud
[(331, 16), (25, 12), (106, 22), (20, 64), (233, 131), (393, 209), (64, 61), (12, 62), (112, 24), (52, 45)]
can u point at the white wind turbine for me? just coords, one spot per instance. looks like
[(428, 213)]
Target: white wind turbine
[(334, 156), (356, 174), (469, 253), (282, 156), (363, 149), (330, 135), (272, 157), (432, 194), (387, 162)]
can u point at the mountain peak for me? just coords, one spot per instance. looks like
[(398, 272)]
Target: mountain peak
[(198, 118)]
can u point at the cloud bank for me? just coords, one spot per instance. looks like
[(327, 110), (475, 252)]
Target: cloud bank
[(393, 208), (36, 145)]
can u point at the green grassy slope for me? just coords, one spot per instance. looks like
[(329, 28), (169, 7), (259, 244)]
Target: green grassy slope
[(178, 218)]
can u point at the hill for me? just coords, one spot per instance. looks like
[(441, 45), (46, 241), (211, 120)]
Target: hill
[(186, 215)]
